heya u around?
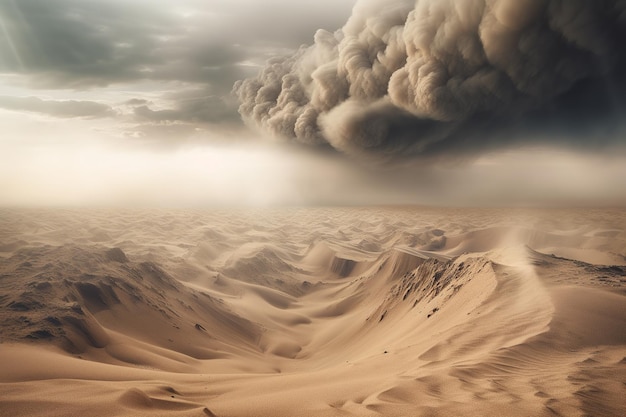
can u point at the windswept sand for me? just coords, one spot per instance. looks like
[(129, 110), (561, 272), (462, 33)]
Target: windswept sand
[(313, 312)]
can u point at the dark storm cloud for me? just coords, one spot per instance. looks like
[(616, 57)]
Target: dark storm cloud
[(82, 44), (76, 43), (203, 47), (438, 77), (57, 108)]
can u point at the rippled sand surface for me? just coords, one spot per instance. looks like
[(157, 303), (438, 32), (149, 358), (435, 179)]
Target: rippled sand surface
[(313, 312)]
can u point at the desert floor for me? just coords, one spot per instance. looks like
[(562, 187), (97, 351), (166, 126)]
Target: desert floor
[(313, 312)]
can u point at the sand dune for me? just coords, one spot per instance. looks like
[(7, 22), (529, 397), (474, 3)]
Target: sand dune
[(313, 312)]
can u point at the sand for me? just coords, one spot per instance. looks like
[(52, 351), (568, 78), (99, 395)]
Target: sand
[(313, 312)]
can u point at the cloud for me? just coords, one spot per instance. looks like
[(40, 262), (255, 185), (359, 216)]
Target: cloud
[(434, 78), (256, 22), (178, 59), (58, 108), (79, 44), (192, 105)]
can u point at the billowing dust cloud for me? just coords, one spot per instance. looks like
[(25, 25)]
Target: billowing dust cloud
[(427, 78)]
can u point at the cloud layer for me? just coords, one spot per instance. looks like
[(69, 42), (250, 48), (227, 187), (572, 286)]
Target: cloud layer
[(87, 44), (62, 109), (429, 78), (178, 59)]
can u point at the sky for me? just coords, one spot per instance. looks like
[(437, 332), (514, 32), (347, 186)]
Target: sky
[(330, 102)]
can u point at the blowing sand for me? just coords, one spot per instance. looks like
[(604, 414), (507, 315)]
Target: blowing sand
[(313, 312)]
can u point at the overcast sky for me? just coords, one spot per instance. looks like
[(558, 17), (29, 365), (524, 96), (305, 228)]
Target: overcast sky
[(115, 102)]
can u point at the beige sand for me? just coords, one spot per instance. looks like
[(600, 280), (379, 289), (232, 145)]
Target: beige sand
[(313, 312)]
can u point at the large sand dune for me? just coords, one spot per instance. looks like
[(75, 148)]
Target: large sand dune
[(313, 312)]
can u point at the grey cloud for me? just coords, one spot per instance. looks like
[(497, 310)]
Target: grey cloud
[(78, 44), (136, 102), (285, 23), (83, 44), (58, 108), (182, 117), (430, 78), (73, 43), (198, 47), (194, 106)]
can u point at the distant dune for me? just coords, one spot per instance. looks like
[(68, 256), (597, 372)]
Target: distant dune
[(313, 312)]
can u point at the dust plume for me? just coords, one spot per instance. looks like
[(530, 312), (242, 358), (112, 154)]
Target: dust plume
[(432, 78)]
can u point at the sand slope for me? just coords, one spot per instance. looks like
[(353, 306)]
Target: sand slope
[(313, 312)]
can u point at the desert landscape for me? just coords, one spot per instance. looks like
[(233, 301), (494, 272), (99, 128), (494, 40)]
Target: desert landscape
[(389, 311), (313, 208)]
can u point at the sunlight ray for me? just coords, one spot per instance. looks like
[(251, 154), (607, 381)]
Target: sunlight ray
[(9, 39)]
